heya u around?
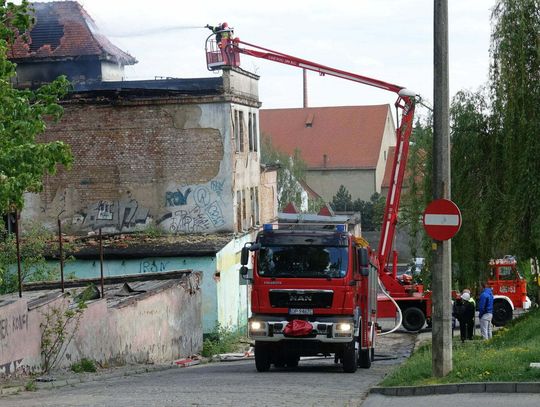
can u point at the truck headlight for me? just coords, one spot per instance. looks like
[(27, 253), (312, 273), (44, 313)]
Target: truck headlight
[(256, 325), (344, 327)]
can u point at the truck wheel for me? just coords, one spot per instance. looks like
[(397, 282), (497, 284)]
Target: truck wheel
[(502, 313), (262, 357), (413, 319), (364, 360), (292, 360), (350, 357)]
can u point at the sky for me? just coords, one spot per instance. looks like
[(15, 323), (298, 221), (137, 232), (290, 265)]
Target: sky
[(390, 40)]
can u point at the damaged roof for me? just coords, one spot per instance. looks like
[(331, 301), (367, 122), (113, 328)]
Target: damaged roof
[(63, 29), (119, 290), (123, 246)]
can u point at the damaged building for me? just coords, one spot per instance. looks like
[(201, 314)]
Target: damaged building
[(177, 160)]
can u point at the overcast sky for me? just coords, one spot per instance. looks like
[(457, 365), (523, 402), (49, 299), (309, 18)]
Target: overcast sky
[(391, 40)]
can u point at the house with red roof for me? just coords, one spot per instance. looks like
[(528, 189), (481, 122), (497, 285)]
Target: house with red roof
[(345, 145)]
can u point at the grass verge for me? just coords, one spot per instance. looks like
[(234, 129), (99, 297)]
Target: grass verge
[(505, 357)]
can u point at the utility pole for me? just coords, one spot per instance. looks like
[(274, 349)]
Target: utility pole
[(441, 275)]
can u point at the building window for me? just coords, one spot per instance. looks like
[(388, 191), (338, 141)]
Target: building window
[(256, 196), (241, 129), (238, 211), (236, 129), (250, 131), (244, 216), (255, 133)]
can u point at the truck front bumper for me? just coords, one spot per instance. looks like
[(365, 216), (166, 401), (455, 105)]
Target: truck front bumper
[(327, 330)]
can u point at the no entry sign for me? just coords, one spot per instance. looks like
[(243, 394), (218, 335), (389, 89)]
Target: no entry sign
[(442, 219)]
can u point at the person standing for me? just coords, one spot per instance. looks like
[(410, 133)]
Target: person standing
[(466, 323), (485, 311)]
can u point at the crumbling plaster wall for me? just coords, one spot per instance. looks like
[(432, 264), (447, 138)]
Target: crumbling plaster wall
[(156, 327), (141, 164)]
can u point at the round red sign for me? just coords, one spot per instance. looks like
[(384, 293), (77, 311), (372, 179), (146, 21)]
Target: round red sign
[(442, 219)]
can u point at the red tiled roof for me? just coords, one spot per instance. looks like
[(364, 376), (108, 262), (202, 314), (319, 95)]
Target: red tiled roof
[(63, 29), (349, 136)]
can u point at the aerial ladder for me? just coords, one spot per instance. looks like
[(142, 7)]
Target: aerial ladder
[(414, 303)]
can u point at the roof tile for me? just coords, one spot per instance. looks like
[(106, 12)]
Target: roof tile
[(328, 137)]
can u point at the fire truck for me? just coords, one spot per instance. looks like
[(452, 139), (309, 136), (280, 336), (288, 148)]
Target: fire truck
[(300, 307), (509, 289)]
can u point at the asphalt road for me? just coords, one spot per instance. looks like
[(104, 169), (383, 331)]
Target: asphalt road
[(316, 382)]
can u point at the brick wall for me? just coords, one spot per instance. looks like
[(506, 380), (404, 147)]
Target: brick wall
[(138, 163)]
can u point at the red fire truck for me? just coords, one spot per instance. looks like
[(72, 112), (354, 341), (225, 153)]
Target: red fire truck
[(509, 289), (303, 308)]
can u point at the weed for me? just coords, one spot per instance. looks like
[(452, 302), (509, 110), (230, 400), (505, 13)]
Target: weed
[(222, 340), (58, 329), (30, 385), (84, 365)]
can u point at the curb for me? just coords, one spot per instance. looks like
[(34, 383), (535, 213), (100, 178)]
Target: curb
[(6, 391), (489, 387)]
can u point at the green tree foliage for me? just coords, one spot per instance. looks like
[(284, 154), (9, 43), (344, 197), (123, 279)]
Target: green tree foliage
[(515, 87), (23, 116), (292, 169), (476, 167), (371, 211), (342, 201), (495, 150)]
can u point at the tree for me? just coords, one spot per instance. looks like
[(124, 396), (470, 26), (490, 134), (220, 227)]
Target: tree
[(24, 114), (515, 92), (342, 201), (292, 169)]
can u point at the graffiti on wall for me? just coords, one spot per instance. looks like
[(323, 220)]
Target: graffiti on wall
[(202, 212), (13, 328), (13, 324), (177, 198), (153, 266), (120, 215)]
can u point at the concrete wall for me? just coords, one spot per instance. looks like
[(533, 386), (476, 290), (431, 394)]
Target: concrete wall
[(232, 297), (206, 265), (359, 183), (158, 328)]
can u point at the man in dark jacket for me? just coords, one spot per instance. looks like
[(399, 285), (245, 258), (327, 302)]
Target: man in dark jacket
[(485, 311), (463, 310)]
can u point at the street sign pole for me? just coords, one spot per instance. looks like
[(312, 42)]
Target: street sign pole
[(441, 275)]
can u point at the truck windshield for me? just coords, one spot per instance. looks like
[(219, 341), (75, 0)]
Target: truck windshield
[(297, 261)]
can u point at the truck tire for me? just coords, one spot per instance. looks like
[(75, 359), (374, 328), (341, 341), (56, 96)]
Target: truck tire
[(350, 357), (364, 359), (413, 319), (292, 360), (502, 313), (263, 358)]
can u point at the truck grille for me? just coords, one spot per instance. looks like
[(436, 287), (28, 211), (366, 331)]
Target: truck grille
[(301, 298)]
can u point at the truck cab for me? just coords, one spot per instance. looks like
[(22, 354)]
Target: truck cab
[(509, 289), (313, 293)]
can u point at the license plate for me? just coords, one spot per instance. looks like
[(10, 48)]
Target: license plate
[(300, 311)]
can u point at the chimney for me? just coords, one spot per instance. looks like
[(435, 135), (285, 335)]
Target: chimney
[(305, 87)]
